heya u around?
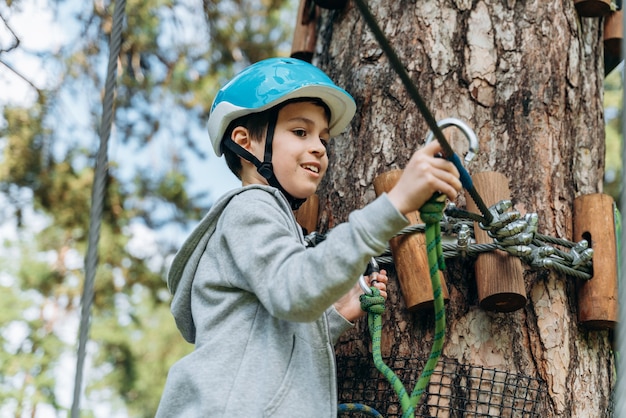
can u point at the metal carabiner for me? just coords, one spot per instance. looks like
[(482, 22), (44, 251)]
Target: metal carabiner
[(372, 267), (469, 133)]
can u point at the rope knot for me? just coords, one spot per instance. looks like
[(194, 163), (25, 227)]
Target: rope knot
[(432, 211), (373, 303)]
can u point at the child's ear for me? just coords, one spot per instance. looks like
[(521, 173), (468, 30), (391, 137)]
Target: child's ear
[(241, 137)]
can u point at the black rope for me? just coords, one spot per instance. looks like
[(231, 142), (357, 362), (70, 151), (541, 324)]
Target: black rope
[(430, 119), (97, 201)]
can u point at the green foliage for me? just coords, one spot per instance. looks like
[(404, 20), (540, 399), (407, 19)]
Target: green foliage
[(31, 350), (249, 34), (142, 350), (170, 67), (613, 93), (22, 156)]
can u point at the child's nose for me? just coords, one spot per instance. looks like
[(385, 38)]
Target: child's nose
[(318, 146)]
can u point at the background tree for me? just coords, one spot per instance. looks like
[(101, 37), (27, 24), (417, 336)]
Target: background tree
[(174, 58), (528, 78)]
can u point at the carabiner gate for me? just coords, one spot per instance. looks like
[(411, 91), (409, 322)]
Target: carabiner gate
[(469, 133)]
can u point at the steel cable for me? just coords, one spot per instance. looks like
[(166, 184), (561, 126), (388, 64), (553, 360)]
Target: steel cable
[(97, 201)]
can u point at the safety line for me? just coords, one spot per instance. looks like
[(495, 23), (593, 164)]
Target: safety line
[(466, 180), (431, 213), (97, 201)]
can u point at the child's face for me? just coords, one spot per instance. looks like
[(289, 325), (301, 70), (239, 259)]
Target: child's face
[(299, 149)]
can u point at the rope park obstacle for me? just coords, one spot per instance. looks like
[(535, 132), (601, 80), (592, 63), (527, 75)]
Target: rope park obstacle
[(510, 233), (450, 233)]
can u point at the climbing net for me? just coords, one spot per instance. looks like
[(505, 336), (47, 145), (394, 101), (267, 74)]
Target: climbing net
[(454, 390)]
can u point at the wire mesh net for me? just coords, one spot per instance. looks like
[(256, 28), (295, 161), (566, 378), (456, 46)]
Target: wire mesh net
[(455, 390)]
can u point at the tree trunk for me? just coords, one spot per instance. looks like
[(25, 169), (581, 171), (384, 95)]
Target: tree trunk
[(528, 78)]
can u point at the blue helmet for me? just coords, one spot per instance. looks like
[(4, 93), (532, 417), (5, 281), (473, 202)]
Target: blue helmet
[(270, 82)]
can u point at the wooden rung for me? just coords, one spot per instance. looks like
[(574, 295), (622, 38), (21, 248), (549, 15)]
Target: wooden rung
[(613, 33), (499, 276), (410, 257), (598, 297), (305, 32), (307, 214), (592, 8)]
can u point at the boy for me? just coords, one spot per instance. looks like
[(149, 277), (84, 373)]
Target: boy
[(262, 310)]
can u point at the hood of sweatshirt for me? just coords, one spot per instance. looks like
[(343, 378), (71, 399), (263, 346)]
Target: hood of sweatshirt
[(185, 263)]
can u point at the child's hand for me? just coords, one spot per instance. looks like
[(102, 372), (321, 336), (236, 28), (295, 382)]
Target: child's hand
[(381, 281), (424, 175), (349, 305)]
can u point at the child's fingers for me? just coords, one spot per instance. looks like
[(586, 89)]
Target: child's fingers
[(449, 185), (382, 288), (380, 283), (381, 276), (432, 148), (376, 278)]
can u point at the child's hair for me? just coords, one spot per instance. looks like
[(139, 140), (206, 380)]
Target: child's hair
[(256, 124)]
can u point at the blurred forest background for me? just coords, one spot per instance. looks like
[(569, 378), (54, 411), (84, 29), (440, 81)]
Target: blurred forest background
[(162, 179), (174, 57)]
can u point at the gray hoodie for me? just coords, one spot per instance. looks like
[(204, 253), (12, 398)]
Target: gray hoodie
[(257, 304)]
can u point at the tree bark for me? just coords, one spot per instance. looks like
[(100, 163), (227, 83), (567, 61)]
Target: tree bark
[(528, 78)]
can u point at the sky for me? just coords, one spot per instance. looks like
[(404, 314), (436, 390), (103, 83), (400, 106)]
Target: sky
[(38, 29)]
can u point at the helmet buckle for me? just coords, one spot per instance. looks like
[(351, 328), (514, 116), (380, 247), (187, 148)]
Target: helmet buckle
[(266, 170)]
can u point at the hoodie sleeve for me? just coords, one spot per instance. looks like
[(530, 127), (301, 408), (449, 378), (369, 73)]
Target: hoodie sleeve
[(337, 324), (292, 282)]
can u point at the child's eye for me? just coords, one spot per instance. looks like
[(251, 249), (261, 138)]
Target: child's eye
[(299, 132)]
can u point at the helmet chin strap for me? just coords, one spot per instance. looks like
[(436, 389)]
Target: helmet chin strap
[(265, 168)]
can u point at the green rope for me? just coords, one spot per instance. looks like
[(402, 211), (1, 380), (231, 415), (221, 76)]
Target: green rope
[(374, 322), (431, 214), (374, 304)]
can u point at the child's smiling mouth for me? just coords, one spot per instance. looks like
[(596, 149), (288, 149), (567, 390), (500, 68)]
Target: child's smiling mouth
[(311, 167)]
